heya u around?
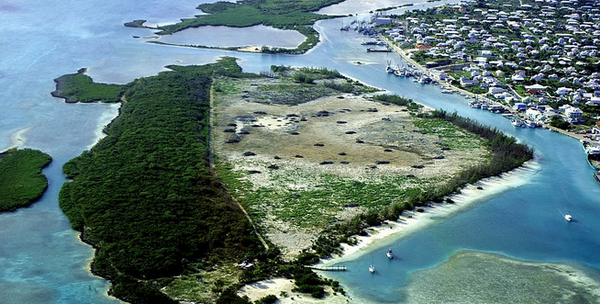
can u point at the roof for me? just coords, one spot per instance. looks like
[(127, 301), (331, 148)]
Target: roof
[(535, 87)]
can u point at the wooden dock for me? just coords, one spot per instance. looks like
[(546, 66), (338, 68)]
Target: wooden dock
[(328, 268)]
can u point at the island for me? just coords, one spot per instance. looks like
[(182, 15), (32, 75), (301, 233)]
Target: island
[(281, 14), (212, 178), (21, 178)]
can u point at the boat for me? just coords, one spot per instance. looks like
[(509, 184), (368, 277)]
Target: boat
[(389, 69), (530, 124), (447, 91), (374, 50), (390, 254), (597, 177), (568, 217), (516, 123), (424, 79), (590, 149), (372, 269), (370, 42)]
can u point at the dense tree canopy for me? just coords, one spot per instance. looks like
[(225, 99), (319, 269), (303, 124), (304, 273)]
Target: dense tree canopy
[(145, 195), (21, 179)]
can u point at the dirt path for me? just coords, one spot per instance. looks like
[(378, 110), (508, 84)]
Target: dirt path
[(212, 170)]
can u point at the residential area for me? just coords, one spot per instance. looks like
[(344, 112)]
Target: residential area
[(538, 59)]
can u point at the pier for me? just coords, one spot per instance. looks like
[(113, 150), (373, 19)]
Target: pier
[(328, 268)]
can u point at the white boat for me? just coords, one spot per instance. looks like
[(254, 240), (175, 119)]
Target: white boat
[(372, 269), (389, 254), (531, 124), (568, 217), (516, 123), (424, 79)]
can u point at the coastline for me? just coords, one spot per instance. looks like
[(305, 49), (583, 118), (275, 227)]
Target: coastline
[(412, 221), (448, 86), (408, 223)]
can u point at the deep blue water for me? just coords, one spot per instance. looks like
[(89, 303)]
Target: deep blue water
[(41, 259)]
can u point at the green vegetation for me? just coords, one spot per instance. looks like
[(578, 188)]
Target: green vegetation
[(399, 101), (316, 207), (145, 196), (282, 14), (449, 134), (558, 122), (81, 88), (21, 179), (300, 85), (507, 154)]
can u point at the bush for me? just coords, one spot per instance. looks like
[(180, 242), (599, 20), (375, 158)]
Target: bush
[(270, 299)]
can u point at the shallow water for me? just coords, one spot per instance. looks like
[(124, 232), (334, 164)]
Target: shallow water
[(222, 36), (41, 260)]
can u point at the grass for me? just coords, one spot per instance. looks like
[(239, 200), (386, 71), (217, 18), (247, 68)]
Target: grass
[(21, 180), (307, 200), (450, 135), (202, 286)]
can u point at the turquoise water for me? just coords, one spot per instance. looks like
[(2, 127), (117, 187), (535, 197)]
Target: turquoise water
[(41, 259)]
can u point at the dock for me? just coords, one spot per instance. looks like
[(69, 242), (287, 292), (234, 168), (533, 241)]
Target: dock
[(328, 268)]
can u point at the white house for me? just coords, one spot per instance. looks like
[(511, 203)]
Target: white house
[(574, 114), (496, 90), (594, 101), (562, 91)]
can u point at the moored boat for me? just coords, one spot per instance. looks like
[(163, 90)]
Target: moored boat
[(517, 123), (372, 269), (390, 254)]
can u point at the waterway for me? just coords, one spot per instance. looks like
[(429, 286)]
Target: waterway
[(42, 261)]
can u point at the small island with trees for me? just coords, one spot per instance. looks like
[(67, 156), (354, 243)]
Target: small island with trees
[(21, 178)]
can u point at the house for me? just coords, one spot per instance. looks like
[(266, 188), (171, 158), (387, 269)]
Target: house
[(519, 106), (594, 101), (519, 76), (534, 114), (562, 91), (466, 82), (573, 114), (496, 90), (535, 89)]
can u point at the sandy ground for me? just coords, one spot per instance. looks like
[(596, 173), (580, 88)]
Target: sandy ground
[(343, 135), (275, 287)]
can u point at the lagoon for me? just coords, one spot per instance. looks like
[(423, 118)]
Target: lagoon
[(222, 36), (42, 261)]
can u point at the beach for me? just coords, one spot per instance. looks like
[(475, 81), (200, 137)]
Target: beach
[(393, 231)]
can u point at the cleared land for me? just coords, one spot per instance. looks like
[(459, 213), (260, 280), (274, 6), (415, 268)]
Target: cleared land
[(298, 163)]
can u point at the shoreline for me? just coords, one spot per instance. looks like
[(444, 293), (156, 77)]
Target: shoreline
[(413, 221), (408, 223), (446, 85)]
